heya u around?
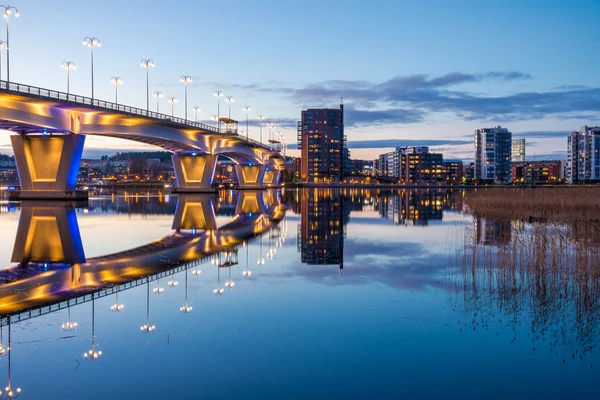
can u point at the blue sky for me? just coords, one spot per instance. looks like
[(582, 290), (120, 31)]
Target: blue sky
[(408, 71)]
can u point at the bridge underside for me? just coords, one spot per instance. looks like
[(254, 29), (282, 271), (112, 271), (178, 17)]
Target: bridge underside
[(46, 119)]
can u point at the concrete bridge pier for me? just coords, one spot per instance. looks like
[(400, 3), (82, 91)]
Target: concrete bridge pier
[(48, 166), (250, 177), (194, 172), (272, 177)]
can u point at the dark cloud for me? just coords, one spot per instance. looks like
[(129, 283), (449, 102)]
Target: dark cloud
[(391, 143), (413, 98)]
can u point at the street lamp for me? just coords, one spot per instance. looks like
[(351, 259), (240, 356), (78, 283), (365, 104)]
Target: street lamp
[(147, 63), (92, 42), (247, 110), (218, 94), (185, 79), (214, 118), (68, 65), (271, 126), (116, 80), (229, 100), (196, 110), (158, 95), (2, 45), (172, 100), (7, 11), (260, 118)]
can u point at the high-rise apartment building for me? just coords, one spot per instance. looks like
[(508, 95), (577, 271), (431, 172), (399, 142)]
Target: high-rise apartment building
[(412, 165), (321, 140), (493, 155), (583, 155), (518, 150)]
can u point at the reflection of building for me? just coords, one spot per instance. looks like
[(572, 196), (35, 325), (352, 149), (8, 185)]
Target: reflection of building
[(583, 155), (518, 150), (492, 155), (492, 232), (324, 214), (323, 145), (418, 207)]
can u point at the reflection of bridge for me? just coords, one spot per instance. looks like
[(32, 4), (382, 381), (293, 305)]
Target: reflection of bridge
[(53, 272), (52, 126)]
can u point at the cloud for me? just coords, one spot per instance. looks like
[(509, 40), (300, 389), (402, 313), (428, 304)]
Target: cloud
[(391, 143), (541, 134), (415, 98)]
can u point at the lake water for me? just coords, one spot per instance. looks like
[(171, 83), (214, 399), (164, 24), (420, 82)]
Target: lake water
[(294, 295)]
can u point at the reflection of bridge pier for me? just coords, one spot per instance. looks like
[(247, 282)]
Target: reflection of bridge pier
[(194, 212)]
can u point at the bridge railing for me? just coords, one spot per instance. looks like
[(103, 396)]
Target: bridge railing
[(48, 94)]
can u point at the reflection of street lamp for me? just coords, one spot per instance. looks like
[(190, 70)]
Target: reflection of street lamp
[(260, 260), (9, 392), (69, 326), (92, 354), (186, 308), (218, 290), (172, 282), (92, 42), (246, 273), (185, 79), (147, 328), (116, 80), (172, 100), (158, 289), (147, 63), (247, 109), (7, 11), (218, 94), (68, 65), (196, 110), (158, 96), (117, 307)]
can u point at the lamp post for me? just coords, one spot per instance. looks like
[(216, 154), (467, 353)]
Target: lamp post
[(2, 45), (247, 110), (116, 80), (92, 42), (172, 100), (229, 100), (271, 126), (7, 11), (147, 328), (68, 65), (196, 110), (185, 79), (260, 118), (218, 94), (158, 96), (147, 63), (214, 118)]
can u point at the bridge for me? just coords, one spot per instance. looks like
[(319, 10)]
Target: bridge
[(53, 272), (50, 129)]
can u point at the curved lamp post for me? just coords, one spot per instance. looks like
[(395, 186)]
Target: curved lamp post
[(147, 63), (185, 79), (68, 65), (218, 94), (158, 96), (116, 80), (172, 100), (196, 110), (8, 10), (92, 42), (247, 109)]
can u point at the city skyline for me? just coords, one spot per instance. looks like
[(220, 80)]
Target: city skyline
[(393, 98)]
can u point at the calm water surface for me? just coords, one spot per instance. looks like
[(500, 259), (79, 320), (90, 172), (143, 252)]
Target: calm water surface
[(302, 294)]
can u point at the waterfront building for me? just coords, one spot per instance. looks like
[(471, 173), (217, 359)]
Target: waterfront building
[(453, 171), (538, 172), (518, 150), (583, 155), (492, 155), (322, 143), (412, 164)]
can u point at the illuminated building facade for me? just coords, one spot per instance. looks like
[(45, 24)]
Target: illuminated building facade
[(583, 155), (518, 150), (493, 155)]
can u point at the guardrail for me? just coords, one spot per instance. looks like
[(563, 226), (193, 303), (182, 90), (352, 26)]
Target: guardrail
[(48, 94)]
